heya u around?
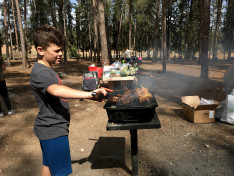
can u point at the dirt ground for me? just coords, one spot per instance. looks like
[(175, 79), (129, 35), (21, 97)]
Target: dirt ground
[(178, 148)]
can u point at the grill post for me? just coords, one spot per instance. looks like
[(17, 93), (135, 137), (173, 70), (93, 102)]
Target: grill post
[(134, 152)]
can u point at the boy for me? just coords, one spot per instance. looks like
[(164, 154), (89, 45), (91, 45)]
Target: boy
[(52, 122), (3, 90)]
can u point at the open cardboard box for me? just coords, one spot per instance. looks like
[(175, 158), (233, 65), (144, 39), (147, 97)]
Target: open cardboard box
[(197, 113)]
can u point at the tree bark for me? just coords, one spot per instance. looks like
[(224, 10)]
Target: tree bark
[(119, 31), (155, 56), (65, 33), (130, 25), (6, 33), (90, 39), (25, 29), (15, 28), (168, 27), (205, 28), (102, 27), (230, 28), (21, 35), (164, 32), (53, 13), (217, 25), (96, 38), (9, 25)]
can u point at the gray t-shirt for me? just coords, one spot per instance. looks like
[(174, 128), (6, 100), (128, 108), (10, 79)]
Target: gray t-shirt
[(54, 116)]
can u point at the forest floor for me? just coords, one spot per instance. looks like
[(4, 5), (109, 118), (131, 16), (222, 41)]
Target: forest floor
[(178, 148)]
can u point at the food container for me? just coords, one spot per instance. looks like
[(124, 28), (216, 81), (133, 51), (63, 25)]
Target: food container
[(133, 112)]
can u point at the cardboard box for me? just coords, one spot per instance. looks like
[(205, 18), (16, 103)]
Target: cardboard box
[(197, 113)]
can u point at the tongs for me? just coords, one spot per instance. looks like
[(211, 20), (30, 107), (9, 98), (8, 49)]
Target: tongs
[(101, 96), (108, 90), (108, 93)]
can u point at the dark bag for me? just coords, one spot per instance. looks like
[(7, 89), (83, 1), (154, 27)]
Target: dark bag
[(90, 80)]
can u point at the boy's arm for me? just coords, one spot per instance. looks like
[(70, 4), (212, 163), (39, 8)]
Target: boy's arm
[(69, 93)]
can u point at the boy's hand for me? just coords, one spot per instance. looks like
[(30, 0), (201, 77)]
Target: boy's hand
[(99, 93)]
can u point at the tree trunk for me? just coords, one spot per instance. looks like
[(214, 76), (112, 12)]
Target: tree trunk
[(53, 13), (12, 54), (25, 28), (6, 33), (102, 28), (9, 24), (16, 33), (107, 39), (217, 25), (65, 33), (90, 39), (168, 28), (21, 35), (155, 56), (134, 37), (78, 32), (119, 31), (229, 31), (164, 32), (130, 25), (96, 38), (205, 28)]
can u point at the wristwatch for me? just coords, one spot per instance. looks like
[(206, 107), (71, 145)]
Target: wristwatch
[(93, 94)]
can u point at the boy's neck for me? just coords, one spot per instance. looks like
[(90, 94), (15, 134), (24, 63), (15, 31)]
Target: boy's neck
[(44, 63)]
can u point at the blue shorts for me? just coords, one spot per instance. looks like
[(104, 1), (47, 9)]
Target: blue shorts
[(56, 155)]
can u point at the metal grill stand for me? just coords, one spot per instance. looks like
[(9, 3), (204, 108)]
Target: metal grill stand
[(133, 127)]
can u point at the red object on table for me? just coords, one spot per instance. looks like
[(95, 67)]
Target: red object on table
[(92, 68), (97, 69)]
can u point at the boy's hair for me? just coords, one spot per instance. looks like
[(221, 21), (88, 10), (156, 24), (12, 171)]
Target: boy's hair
[(45, 35)]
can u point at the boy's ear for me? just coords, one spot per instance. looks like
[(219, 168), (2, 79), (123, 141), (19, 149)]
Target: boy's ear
[(40, 51)]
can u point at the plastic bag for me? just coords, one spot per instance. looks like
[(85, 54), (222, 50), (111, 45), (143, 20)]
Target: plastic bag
[(228, 113), (117, 64), (206, 101)]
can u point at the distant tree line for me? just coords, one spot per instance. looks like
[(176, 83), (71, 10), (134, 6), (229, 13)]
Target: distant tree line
[(166, 28)]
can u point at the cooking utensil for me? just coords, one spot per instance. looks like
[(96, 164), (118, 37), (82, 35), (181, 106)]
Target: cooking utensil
[(108, 90)]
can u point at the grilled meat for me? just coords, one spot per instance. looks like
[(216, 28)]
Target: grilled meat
[(114, 99), (141, 95)]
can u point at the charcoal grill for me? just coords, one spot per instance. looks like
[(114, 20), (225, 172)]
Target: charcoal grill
[(131, 112)]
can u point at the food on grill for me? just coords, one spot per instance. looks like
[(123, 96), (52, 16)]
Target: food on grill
[(134, 111), (141, 95), (114, 99)]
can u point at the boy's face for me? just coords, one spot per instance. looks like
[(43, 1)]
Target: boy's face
[(52, 54)]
